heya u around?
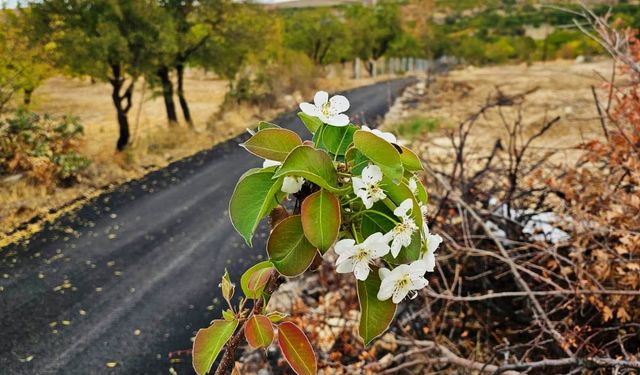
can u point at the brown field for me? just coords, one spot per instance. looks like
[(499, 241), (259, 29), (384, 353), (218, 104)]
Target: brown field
[(560, 88)]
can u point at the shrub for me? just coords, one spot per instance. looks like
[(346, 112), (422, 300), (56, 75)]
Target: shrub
[(417, 126), (268, 83), (43, 147)]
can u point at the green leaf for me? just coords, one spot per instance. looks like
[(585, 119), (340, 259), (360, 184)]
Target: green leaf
[(255, 279), (421, 193), (312, 123), (381, 152), (407, 254), (314, 165), (277, 316), (267, 125), (255, 195), (375, 315), (320, 215), (209, 342), (398, 193), (373, 222), (357, 161), (288, 248), (272, 143), (297, 349), (410, 160), (228, 314), (337, 139), (259, 331)]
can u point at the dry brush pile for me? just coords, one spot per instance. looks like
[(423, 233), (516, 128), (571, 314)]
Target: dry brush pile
[(540, 272)]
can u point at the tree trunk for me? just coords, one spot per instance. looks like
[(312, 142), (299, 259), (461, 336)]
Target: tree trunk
[(26, 99), (117, 82), (123, 121), (167, 93), (183, 100), (370, 66)]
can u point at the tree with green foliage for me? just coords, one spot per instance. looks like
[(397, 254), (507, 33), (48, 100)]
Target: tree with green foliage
[(108, 40), (189, 26), (319, 33), (247, 33), (23, 65), (374, 29), (500, 51)]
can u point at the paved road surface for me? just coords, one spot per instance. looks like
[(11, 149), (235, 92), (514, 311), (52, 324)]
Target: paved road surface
[(132, 275)]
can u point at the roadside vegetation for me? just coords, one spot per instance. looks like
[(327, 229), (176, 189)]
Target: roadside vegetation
[(160, 80)]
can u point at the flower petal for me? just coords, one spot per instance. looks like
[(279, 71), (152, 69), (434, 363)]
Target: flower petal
[(383, 273), (309, 109), (339, 104), (270, 163), (433, 241), (372, 174), (413, 186), (417, 268), (368, 202), (396, 245), (344, 246), (430, 261), (389, 137), (385, 292), (361, 270), (346, 267), (321, 98), (338, 120), (403, 209), (399, 294), (292, 184), (419, 283)]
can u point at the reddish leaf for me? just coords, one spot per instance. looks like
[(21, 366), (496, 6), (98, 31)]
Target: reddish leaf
[(288, 248), (297, 349), (255, 276), (259, 331), (320, 214)]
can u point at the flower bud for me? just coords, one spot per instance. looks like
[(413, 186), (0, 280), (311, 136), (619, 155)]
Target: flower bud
[(227, 286)]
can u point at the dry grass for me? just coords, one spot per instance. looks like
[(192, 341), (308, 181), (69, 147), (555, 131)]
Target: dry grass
[(153, 143)]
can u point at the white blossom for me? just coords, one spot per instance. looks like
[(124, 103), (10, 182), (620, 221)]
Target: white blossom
[(400, 235), (328, 110), (413, 185), (389, 137), (433, 242), (270, 163), (357, 258), (405, 278), (367, 187), (290, 184)]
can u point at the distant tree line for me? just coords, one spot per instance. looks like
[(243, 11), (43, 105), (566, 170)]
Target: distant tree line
[(121, 42)]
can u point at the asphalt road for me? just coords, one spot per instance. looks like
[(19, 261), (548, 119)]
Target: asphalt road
[(132, 275)]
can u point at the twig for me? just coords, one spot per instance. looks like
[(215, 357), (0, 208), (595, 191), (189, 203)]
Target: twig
[(538, 312), (591, 363), (231, 346), (483, 297), (449, 357)]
